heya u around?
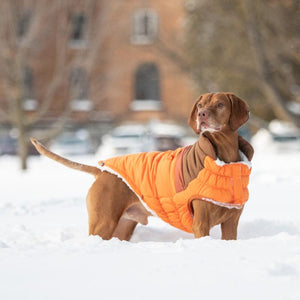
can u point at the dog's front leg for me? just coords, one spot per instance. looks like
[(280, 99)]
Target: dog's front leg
[(201, 225), (229, 227)]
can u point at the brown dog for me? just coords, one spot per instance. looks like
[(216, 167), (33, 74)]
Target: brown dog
[(114, 209)]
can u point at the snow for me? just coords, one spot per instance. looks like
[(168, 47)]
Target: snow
[(46, 253)]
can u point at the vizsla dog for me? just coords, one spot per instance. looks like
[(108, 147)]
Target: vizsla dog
[(125, 192)]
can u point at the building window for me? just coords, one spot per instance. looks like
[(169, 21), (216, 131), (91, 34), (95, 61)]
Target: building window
[(147, 88), (23, 24), (78, 31), (79, 86), (145, 24), (29, 101)]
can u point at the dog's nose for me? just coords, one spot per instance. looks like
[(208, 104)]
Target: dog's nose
[(203, 114)]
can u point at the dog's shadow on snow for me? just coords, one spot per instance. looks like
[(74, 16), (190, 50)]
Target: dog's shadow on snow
[(246, 230)]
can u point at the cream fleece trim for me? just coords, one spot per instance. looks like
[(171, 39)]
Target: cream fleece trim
[(223, 204), (244, 160)]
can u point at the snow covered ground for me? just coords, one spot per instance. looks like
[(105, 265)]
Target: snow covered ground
[(46, 253)]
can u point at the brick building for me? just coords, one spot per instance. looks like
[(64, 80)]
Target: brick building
[(144, 82), (121, 62)]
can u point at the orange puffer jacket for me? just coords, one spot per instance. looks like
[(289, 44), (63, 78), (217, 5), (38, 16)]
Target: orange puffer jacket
[(151, 176)]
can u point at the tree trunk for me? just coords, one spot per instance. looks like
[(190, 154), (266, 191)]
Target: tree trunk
[(270, 87), (22, 137), (23, 149)]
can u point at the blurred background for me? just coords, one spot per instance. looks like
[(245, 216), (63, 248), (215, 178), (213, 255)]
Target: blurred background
[(113, 77)]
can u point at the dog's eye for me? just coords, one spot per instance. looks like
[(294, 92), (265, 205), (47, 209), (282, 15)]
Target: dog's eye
[(200, 105), (220, 105)]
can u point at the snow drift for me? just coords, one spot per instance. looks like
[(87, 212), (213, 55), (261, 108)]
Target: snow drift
[(46, 253)]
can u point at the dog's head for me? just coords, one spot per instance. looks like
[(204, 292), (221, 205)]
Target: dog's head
[(215, 111)]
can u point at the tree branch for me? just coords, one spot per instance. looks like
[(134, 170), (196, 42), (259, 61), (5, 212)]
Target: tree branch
[(277, 103)]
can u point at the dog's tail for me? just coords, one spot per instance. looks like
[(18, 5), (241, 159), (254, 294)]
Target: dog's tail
[(68, 163)]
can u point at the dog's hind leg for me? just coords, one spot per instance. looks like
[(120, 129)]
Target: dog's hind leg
[(104, 230), (135, 213), (107, 200), (103, 211), (124, 229)]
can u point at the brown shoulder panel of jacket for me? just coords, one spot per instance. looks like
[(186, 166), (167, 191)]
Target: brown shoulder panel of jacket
[(193, 158)]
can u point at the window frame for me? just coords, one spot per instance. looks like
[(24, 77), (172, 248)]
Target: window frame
[(144, 33), (78, 29), (29, 101), (79, 79), (23, 25), (142, 80)]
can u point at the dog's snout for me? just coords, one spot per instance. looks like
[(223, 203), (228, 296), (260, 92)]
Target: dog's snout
[(203, 114)]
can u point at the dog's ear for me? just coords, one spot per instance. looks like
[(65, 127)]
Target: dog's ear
[(193, 117), (239, 112)]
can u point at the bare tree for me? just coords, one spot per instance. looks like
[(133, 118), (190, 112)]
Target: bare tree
[(32, 34), (250, 47)]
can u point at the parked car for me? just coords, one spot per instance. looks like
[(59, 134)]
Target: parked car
[(167, 136), (125, 139), (279, 137), (73, 143), (134, 138), (8, 145), (285, 135)]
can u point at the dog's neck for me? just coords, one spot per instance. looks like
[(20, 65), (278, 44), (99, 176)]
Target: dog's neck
[(220, 144), (225, 143)]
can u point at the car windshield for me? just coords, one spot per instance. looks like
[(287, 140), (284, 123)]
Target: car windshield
[(70, 142), (127, 136)]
